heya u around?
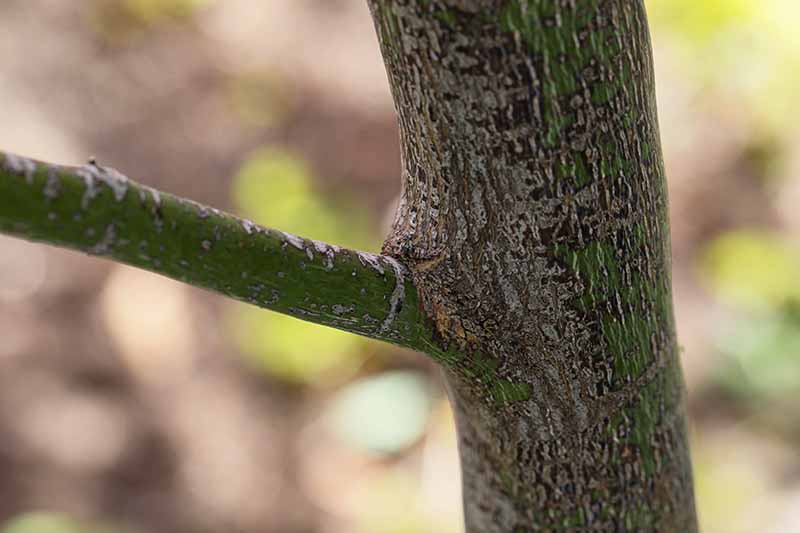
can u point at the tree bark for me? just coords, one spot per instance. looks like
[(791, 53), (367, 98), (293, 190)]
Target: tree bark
[(529, 256), (99, 211), (534, 222)]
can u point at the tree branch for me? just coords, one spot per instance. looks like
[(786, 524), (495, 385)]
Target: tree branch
[(101, 212)]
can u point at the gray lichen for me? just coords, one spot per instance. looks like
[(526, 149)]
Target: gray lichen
[(398, 294), (21, 165), (94, 176)]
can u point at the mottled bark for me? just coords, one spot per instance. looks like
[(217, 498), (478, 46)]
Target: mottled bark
[(533, 231), (534, 221)]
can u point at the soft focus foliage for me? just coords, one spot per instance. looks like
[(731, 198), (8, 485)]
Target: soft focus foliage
[(119, 20), (149, 11), (734, 66), (383, 414), (44, 522), (755, 271), (747, 50), (272, 342), (756, 274), (764, 356), (274, 188), (701, 22)]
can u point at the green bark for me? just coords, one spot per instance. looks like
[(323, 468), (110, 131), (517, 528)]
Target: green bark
[(101, 212)]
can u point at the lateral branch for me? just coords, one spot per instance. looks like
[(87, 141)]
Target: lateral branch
[(101, 212)]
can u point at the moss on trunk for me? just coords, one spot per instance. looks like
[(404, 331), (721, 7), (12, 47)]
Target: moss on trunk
[(534, 221)]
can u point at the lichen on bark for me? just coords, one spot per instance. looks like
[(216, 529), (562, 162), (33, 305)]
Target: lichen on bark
[(529, 254), (534, 221)]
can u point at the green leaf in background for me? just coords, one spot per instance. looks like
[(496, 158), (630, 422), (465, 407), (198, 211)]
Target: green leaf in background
[(764, 357), (747, 51), (51, 522), (758, 275), (382, 414), (753, 271), (43, 522), (274, 188), (293, 350), (701, 21), (151, 11), (118, 20)]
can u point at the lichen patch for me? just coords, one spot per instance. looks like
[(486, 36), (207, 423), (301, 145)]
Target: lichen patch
[(53, 186), (398, 294), (93, 175), (294, 240), (103, 247), (371, 260), (21, 165)]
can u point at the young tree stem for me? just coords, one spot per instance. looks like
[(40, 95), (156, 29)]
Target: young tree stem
[(101, 212)]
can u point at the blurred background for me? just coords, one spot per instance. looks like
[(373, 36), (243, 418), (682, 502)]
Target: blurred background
[(130, 403)]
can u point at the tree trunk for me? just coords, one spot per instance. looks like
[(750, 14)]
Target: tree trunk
[(534, 221)]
